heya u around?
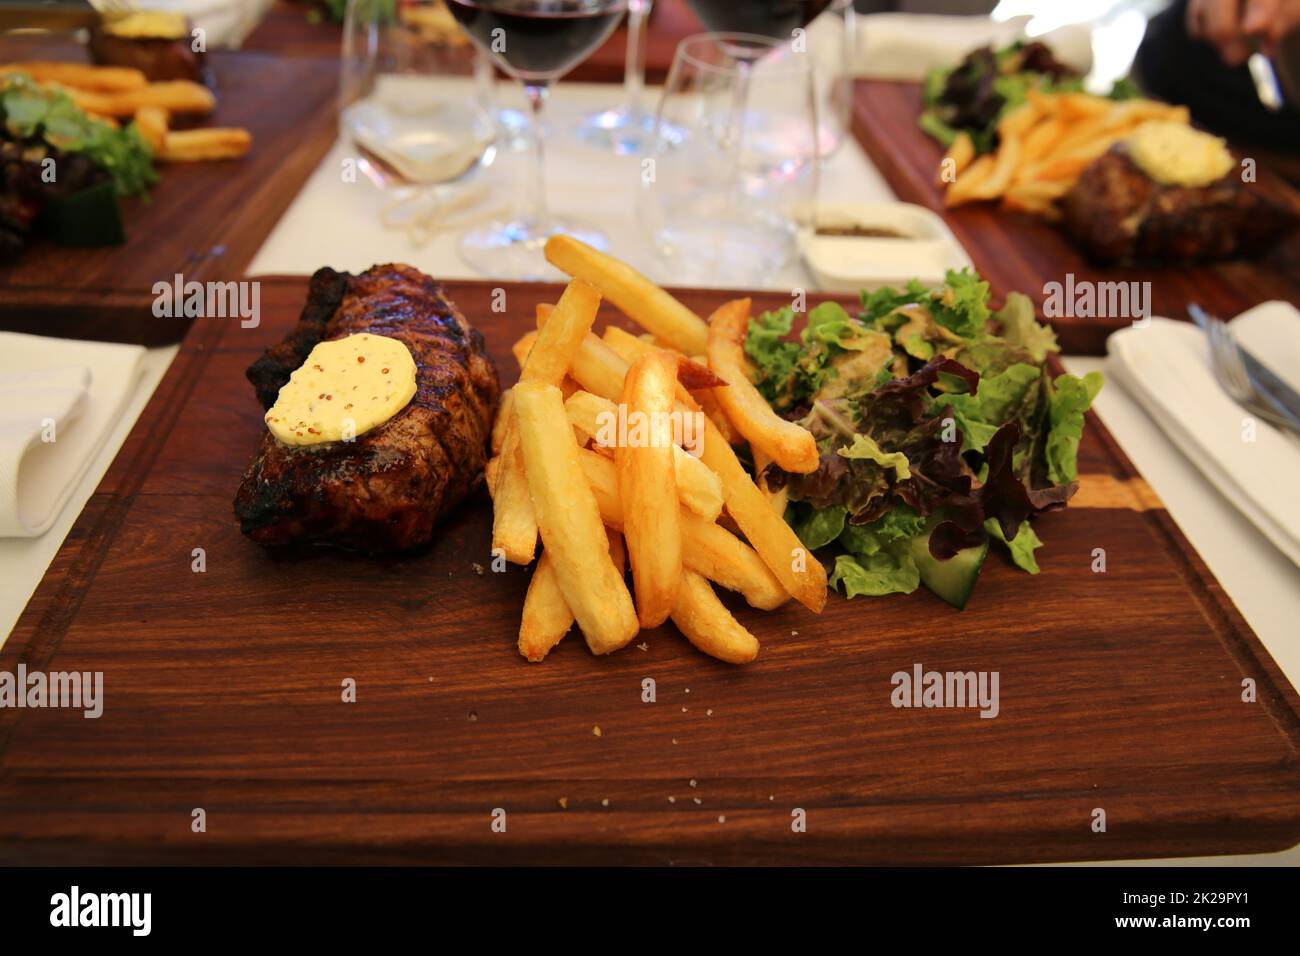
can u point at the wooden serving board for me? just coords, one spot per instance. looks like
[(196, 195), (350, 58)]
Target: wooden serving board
[(202, 220), (222, 690), (1015, 251)]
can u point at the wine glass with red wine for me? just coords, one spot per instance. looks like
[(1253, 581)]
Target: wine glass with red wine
[(777, 19), (537, 42)]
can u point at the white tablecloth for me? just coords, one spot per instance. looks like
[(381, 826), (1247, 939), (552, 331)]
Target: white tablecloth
[(336, 223)]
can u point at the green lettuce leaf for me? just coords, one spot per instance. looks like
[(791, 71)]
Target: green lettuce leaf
[(1000, 398), (881, 573), (897, 524), (963, 304), (816, 527), (1021, 547), (1021, 327), (865, 447), (774, 359), (1068, 399)]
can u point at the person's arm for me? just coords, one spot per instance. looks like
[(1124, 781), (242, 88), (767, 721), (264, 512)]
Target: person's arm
[(1238, 27)]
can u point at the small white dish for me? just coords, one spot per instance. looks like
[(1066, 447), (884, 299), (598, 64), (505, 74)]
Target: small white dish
[(924, 248)]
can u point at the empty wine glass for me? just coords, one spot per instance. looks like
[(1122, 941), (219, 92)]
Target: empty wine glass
[(409, 107), (732, 168), (537, 42), (625, 128)]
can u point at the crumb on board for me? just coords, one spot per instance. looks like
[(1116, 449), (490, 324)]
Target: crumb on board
[(563, 802), (478, 568), (672, 799), (596, 731), (605, 802), (644, 646), (722, 818), (693, 781)]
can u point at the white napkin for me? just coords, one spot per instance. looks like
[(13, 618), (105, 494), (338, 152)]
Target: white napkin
[(58, 401), (906, 46), (225, 22), (1166, 367)]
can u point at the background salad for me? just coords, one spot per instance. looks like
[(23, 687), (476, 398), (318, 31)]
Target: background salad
[(939, 428)]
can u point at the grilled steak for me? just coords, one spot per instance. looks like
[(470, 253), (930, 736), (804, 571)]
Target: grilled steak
[(384, 490), (1117, 212)]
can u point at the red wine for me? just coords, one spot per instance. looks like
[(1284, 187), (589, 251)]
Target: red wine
[(776, 19), (538, 39)]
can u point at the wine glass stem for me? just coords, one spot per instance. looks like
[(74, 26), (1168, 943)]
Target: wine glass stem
[(535, 200), (638, 11)]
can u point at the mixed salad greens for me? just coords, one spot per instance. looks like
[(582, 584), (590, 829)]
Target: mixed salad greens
[(973, 95), (939, 428), (31, 112), (61, 170)]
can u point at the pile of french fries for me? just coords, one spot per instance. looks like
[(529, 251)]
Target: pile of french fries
[(685, 515), (116, 93), (1043, 146)]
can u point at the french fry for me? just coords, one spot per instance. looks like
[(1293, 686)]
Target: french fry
[(697, 486), (1041, 139), (152, 123), (194, 145), (963, 189), (175, 96), (709, 625), (792, 447), (639, 299), (569, 519), (648, 487), (1018, 121), (630, 347), (546, 617), (522, 345), (514, 526), (707, 548), (799, 572), (959, 155), (499, 423), (98, 79)]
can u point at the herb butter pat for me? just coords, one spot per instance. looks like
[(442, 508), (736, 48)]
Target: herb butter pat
[(1177, 155), (345, 388)]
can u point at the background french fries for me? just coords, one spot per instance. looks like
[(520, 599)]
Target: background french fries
[(100, 79), (789, 445), (640, 299), (648, 487), (194, 145), (1044, 146), (113, 93), (569, 520), (175, 96)]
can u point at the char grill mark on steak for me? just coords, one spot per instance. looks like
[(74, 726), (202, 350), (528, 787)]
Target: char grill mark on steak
[(385, 490), (1118, 213)]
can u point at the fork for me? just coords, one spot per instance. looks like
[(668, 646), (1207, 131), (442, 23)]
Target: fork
[(1230, 370)]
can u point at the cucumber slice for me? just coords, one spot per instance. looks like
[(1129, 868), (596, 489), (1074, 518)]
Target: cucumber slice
[(90, 217), (954, 579)]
